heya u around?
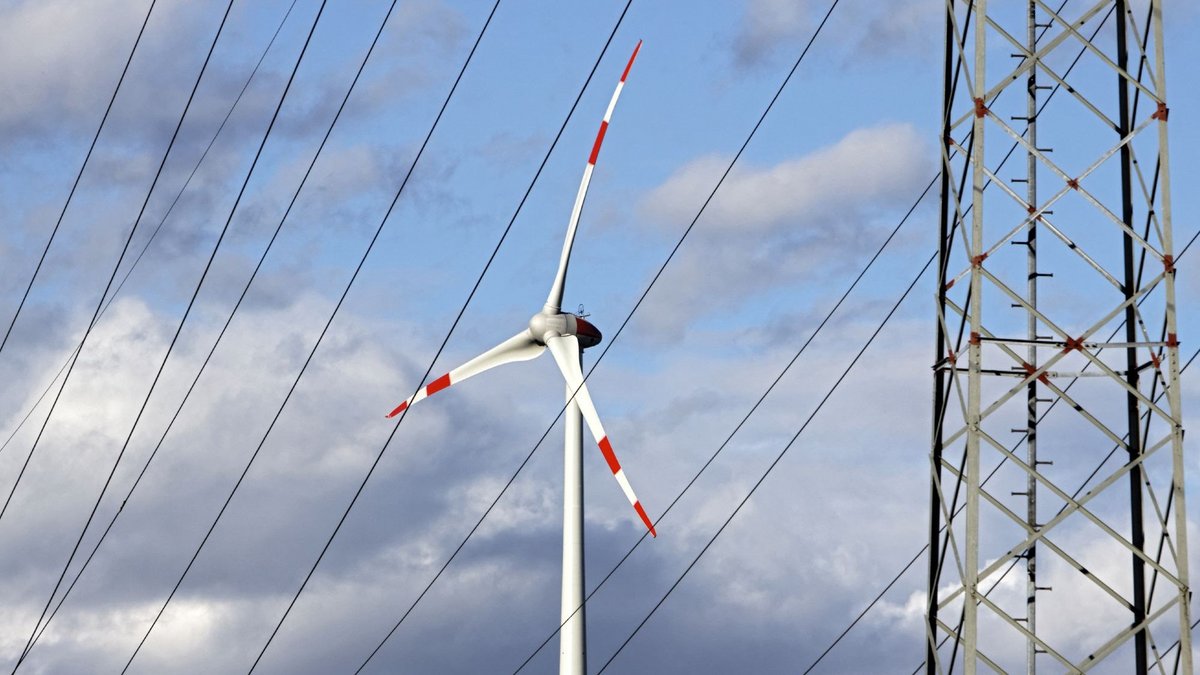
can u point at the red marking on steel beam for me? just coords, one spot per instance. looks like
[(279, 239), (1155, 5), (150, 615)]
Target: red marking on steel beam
[(637, 506), (607, 451), (438, 385), (1073, 343), (980, 108), (1156, 361), (1162, 112), (975, 338), (1172, 340), (596, 145), (631, 58), (1030, 370), (1073, 184), (950, 285), (399, 409), (978, 260), (1169, 263)]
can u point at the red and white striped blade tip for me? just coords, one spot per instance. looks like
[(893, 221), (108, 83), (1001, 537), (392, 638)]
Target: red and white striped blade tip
[(615, 466), (645, 519), (631, 58), (399, 409)]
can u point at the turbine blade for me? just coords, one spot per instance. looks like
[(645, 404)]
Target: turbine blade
[(520, 347), (565, 349), (554, 300)]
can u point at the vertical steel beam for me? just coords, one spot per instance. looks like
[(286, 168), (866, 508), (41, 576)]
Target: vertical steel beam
[(1133, 410), (940, 374), (1031, 333), (975, 350), (1174, 396)]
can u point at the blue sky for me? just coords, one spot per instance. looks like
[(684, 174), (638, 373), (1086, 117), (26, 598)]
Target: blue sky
[(845, 152)]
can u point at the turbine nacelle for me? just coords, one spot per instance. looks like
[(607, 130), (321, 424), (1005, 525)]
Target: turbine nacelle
[(545, 325)]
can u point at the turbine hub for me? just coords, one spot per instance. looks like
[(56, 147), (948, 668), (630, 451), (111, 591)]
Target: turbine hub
[(543, 326)]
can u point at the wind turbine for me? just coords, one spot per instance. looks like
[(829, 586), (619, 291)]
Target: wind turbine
[(566, 335)]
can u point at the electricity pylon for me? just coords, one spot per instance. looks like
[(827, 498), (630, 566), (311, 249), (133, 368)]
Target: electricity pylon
[(1056, 291)]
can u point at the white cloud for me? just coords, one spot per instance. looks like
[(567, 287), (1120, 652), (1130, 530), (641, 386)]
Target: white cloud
[(781, 223)]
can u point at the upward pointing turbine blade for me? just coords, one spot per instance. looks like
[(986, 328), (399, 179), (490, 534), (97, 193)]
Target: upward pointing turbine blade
[(565, 349), (554, 300), (520, 347)]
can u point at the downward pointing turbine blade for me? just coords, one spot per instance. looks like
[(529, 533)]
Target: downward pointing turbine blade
[(554, 300), (565, 349), (520, 347)]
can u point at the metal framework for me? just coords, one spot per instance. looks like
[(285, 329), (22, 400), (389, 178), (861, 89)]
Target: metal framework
[(1056, 291)]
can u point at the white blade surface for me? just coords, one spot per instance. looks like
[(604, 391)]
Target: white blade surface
[(554, 300), (565, 349), (520, 347)]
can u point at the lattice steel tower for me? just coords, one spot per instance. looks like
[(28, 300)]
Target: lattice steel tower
[(1056, 293)]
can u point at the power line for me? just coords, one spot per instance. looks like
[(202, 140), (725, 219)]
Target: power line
[(241, 192), (611, 341), (121, 285), (108, 481), (40, 630), (78, 176), (320, 338), (379, 456), (774, 463), (107, 287)]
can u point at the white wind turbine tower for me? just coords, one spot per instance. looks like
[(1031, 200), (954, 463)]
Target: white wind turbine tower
[(567, 335)]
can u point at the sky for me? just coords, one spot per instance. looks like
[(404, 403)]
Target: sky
[(842, 156)]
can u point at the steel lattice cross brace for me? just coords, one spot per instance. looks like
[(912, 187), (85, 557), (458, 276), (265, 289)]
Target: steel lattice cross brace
[(1056, 292)]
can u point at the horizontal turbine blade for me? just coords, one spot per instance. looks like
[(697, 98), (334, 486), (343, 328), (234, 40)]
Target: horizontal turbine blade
[(565, 349), (554, 300), (520, 347)]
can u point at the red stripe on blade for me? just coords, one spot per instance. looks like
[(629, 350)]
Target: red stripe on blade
[(599, 140), (631, 58), (399, 409), (607, 451), (438, 385), (637, 506)]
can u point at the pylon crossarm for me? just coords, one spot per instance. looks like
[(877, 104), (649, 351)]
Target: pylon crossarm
[(1148, 191), (1117, 640), (1076, 183), (985, 602), (1036, 214), (1040, 55), (1071, 28), (1144, 67), (1046, 540), (1133, 298), (1160, 518), (1067, 510), (949, 530), (953, 633), (1037, 374), (959, 36), (1075, 507), (1043, 67)]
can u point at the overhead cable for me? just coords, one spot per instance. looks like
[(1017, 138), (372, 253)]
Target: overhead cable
[(137, 259), (312, 352), (78, 176)]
